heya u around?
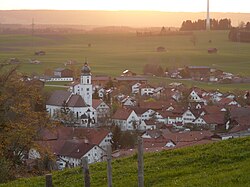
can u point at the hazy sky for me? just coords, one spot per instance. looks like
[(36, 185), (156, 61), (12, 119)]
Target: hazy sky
[(159, 5)]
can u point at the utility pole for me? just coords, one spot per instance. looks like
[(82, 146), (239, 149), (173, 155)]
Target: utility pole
[(140, 163), (109, 166), (48, 179), (85, 169)]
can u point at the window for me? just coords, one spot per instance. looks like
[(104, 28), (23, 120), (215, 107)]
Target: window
[(87, 89), (87, 81)]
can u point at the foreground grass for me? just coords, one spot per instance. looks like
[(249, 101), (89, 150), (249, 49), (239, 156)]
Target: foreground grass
[(223, 164)]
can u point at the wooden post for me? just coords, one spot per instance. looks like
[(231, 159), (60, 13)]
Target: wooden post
[(140, 163), (48, 178), (109, 166), (85, 169)]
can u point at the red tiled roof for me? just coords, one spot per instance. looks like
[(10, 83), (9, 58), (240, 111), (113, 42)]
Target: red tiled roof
[(96, 103), (122, 114), (212, 109), (214, 118)]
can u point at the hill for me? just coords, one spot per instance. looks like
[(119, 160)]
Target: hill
[(114, 18), (225, 163)]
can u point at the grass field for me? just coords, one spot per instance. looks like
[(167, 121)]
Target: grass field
[(110, 54), (221, 164)]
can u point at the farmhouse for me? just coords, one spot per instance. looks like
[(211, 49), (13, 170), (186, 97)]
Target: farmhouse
[(199, 72)]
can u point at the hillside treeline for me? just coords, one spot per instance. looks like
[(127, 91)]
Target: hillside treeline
[(222, 24), (240, 34)]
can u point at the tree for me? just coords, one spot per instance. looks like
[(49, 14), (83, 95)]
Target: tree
[(116, 138), (20, 119), (95, 94)]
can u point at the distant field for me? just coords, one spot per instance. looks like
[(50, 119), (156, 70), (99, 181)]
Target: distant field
[(112, 53)]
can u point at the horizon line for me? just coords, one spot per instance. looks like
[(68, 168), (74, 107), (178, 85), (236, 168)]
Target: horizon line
[(120, 11)]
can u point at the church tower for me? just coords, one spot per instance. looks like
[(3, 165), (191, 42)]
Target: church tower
[(85, 84)]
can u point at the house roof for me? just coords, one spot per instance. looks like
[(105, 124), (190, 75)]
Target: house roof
[(58, 98), (212, 109), (214, 118), (75, 148), (96, 103), (139, 111), (94, 136), (239, 112), (122, 114), (146, 86)]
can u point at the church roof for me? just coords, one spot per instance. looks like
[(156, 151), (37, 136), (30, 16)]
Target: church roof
[(86, 69), (76, 101), (58, 98)]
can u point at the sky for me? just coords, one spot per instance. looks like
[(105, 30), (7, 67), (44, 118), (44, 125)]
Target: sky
[(155, 5)]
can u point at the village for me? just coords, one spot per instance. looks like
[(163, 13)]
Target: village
[(98, 111)]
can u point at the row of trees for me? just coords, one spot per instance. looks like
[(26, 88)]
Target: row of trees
[(241, 33), (223, 24), (154, 69)]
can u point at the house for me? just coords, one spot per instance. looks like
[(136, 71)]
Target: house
[(211, 121), (212, 50), (128, 73), (73, 151), (160, 49), (63, 72), (228, 102), (126, 119), (135, 88), (196, 95), (143, 113), (146, 90), (201, 73), (40, 53), (147, 125), (128, 101), (189, 116), (102, 109), (71, 144)]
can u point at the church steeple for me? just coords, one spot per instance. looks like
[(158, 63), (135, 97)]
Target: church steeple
[(85, 85)]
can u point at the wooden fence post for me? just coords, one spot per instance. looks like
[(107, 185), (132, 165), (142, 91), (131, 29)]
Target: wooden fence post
[(140, 163), (109, 166), (85, 169), (48, 178)]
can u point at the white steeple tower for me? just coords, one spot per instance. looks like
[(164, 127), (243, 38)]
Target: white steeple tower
[(208, 17), (85, 84)]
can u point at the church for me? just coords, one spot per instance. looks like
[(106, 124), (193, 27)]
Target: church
[(78, 102)]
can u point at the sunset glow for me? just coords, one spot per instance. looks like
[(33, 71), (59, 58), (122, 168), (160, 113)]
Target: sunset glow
[(156, 5)]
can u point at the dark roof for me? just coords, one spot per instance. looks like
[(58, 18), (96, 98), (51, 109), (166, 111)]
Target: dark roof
[(239, 112), (76, 101), (58, 98), (122, 114), (214, 119), (130, 78), (75, 148)]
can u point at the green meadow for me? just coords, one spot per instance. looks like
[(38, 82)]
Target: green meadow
[(111, 54), (221, 164)]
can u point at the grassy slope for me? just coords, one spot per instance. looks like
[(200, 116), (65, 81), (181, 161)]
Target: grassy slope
[(224, 163)]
